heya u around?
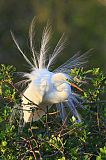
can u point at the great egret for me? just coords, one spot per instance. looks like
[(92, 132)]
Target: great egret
[(46, 88)]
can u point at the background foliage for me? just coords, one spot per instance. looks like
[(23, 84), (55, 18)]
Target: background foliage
[(50, 138), (83, 22)]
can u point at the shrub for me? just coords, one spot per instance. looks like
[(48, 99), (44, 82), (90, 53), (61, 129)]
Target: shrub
[(49, 138)]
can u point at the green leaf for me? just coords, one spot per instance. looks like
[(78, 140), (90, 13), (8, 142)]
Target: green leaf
[(4, 143)]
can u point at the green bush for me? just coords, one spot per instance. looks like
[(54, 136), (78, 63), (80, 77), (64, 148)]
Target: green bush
[(50, 138)]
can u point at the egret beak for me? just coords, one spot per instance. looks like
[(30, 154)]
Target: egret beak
[(75, 86)]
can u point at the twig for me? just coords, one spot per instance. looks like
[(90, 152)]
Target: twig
[(98, 121), (31, 149), (97, 102)]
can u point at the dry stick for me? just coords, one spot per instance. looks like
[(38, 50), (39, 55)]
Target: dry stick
[(53, 113), (97, 102), (37, 143), (59, 150), (46, 123), (53, 154), (47, 156), (98, 120), (56, 152), (90, 154), (63, 125), (67, 132), (31, 149), (26, 143), (33, 138)]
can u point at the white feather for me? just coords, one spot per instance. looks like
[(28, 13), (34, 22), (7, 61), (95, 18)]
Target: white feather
[(76, 61), (32, 38), (21, 51), (44, 46), (59, 47)]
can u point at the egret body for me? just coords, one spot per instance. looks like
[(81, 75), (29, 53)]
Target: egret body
[(46, 88)]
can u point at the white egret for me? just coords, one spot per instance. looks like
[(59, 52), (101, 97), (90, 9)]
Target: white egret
[(46, 88)]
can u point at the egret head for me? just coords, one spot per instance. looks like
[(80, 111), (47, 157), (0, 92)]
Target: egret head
[(59, 80)]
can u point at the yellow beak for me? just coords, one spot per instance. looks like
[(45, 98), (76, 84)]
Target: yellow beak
[(75, 86)]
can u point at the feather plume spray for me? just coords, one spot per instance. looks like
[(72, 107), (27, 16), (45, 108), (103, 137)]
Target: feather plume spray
[(47, 88)]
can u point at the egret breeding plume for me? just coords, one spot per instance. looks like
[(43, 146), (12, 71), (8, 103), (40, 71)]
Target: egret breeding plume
[(47, 88)]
